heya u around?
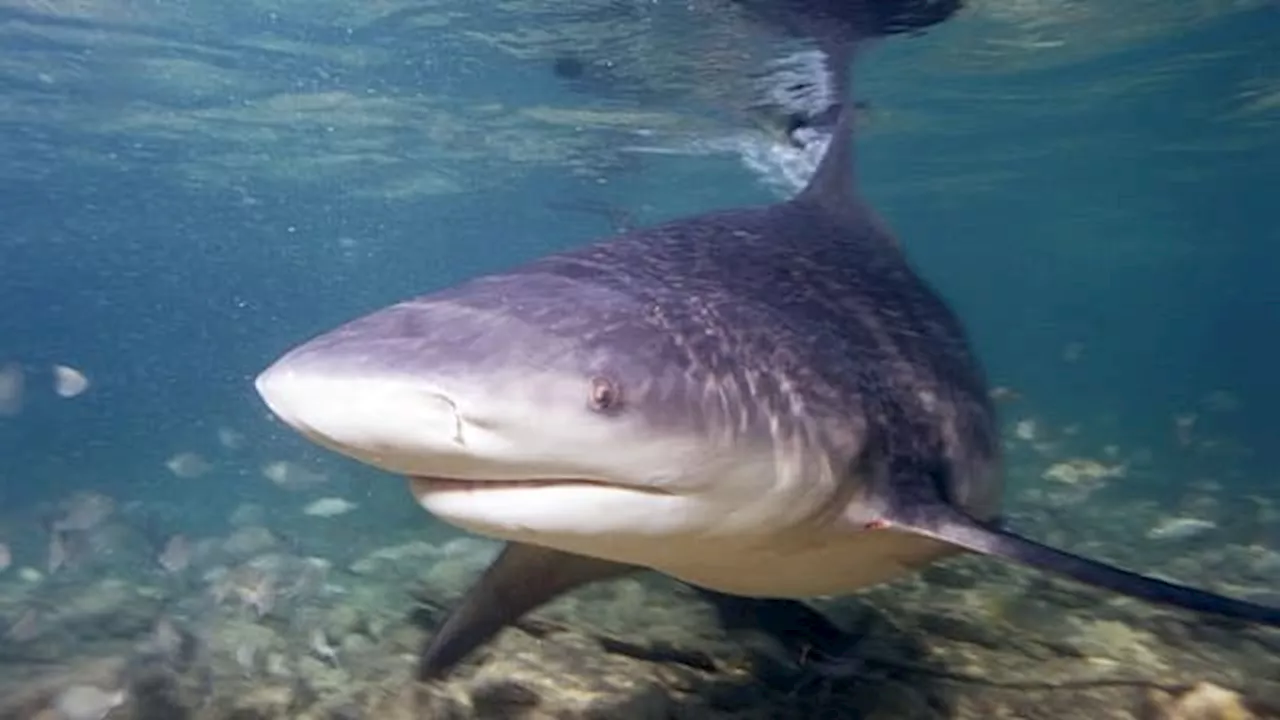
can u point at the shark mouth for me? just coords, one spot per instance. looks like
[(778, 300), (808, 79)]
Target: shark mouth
[(421, 484)]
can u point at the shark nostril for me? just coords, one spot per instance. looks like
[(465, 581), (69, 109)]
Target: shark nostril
[(455, 418)]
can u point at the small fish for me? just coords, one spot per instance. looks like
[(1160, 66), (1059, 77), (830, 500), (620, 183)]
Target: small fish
[(260, 595), (1072, 352), (69, 382), (1004, 393), (188, 465), (6, 557), (329, 507), (1183, 425), (252, 587), (1025, 430), (1180, 528), (230, 438), (292, 476), (58, 553), (12, 383), (1083, 471), (84, 511), (322, 648), (1222, 401), (176, 555), (1045, 448), (25, 628)]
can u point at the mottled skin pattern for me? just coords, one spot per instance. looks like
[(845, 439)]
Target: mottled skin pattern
[(789, 323), (816, 317)]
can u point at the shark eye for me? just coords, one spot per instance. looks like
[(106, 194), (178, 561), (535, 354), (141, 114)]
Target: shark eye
[(605, 395)]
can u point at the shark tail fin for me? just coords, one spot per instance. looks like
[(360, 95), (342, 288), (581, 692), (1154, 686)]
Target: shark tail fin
[(943, 522)]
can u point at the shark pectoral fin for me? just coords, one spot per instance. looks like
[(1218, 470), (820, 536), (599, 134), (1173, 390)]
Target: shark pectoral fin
[(522, 578), (943, 522)]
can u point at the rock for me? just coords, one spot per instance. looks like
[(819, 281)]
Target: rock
[(345, 619), (264, 702), (87, 702), (1205, 701), (648, 703), (355, 645), (501, 699)]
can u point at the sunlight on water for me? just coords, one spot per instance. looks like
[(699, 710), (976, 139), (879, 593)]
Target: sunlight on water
[(783, 166)]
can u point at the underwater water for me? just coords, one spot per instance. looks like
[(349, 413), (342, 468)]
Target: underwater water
[(188, 189)]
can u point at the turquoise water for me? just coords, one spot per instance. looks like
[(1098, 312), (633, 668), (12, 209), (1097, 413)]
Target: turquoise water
[(189, 189)]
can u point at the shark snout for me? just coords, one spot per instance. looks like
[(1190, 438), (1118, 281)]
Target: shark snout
[(385, 419)]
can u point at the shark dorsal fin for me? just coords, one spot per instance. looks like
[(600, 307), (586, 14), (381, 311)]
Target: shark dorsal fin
[(832, 184)]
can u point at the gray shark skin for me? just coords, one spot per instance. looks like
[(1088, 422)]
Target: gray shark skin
[(765, 402)]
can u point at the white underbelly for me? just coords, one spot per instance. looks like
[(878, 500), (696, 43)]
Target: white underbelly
[(806, 565), (837, 566)]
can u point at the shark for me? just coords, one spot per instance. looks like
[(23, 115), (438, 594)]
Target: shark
[(764, 402)]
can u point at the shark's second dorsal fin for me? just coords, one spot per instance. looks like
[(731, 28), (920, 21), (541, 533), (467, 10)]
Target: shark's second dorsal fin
[(832, 184)]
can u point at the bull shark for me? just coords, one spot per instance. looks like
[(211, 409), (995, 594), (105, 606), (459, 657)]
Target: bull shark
[(767, 402)]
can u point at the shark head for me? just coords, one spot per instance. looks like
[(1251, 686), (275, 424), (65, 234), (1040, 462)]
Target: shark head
[(540, 406)]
